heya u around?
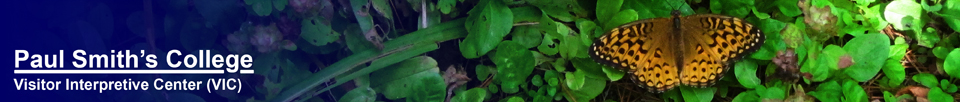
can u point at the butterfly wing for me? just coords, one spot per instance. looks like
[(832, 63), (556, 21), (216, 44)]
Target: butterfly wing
[(641, 48), (712, 43)]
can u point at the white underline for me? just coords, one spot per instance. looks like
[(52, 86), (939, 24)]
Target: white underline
[(95, 71)]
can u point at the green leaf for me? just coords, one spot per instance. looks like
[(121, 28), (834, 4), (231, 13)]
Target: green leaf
[(446, 5), (827, 92), (952, 10), (888, 97), (771, 29), (526, 14), (852, 92), (942, 51), (261, 7), (772, 93), (383, 7), (951, 64), (949, 88), (549, 45), (789, 7), (926, 79), (588, 91), (607, 9), (939, 95), (613, 74), (571, 48), (871, 51), (482, 72), (691, 94), (895, 71), (537, 80), (472, 95), (400, 79), (759, 14), (515, 99), (514, 64), (586, 29), (621, 18), (487, 29), (317, 33), (831, 56), (361, 94), (493, 88), (897, 10), (746, 71), (748, 96), (575, 80), (528, 36), (280, 4)]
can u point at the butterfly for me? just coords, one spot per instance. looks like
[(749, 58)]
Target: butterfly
[(661, 53)]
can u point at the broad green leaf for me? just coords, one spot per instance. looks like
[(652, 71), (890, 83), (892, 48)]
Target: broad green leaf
[(942, 51), (898, 9), (589, 67), (400, 79), (951, 63), (428, 89), (895, 71), (493, 88), (831, 56), (772, 93), (746, 71), (621, 18), (613, 74), (691, 94), (360, 94), (829, 91), (514, 64), (549, 45), (939, 95), (575, 80), (586, 31), (852, 92), (789, 7), (926, 79), (526, 14), (570, 47), (472, 95), (317, 33), (748, 96), (606, 9), (527, 36), (587, 91), (482, 72), (552, 78), (870, 52), (759, 14), (487, 29)]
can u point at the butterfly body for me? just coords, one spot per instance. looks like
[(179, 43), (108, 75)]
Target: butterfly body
[(661, 53)]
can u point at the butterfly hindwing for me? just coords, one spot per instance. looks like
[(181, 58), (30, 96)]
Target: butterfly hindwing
[(713, 43)]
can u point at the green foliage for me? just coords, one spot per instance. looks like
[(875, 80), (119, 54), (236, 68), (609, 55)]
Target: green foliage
[(539, 48), (487, 27)]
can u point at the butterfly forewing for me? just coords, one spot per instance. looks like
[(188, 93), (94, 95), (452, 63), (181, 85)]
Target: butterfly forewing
[(660, 55), (713, 43), (634, 47)]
